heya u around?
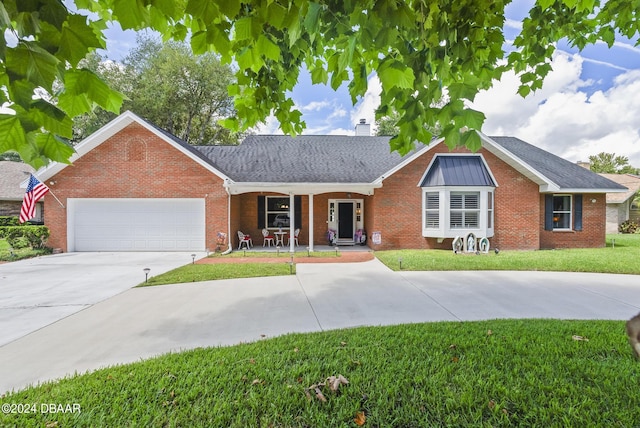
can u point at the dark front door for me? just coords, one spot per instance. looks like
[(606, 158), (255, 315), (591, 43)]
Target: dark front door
[(345, 220)]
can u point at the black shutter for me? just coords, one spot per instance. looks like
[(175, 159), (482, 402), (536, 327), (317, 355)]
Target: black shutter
[(577, 212), (297, 221), (548, 212), (261, 211)]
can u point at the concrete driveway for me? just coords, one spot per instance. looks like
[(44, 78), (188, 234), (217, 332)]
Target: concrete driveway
[(37, 292), (145, 322)]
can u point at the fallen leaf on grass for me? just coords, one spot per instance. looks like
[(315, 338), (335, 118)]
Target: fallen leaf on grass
[(579, 338), (360, 419), (333, 382), (256, 382), (320, 395), (492, 404)]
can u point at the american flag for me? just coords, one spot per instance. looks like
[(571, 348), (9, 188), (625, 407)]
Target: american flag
[(35, 191)]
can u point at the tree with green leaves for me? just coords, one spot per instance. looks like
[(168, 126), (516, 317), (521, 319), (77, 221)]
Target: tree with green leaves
[(419, 49), (609, 163), (168, 85)]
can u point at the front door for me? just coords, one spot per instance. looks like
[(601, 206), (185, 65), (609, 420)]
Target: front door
[(345, 220)]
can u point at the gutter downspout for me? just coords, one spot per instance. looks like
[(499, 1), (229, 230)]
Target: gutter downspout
[(230, 248)]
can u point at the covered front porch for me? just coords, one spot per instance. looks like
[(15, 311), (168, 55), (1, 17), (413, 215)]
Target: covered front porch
[(326, 216)]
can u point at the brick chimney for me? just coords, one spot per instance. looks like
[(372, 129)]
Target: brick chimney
[(363, 128)]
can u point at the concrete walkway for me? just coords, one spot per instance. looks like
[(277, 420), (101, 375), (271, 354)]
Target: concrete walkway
[(144, 322)]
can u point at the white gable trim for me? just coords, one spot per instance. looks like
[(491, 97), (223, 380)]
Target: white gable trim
[(108, 131), (545, 184), (408, 160)]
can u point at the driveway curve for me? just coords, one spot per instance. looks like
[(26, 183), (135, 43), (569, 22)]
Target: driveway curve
[(144, 322)]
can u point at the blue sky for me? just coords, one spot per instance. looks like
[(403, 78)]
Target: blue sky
[(590, 102)]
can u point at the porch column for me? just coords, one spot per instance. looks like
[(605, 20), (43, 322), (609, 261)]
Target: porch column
[(292, 217), (310, 221)]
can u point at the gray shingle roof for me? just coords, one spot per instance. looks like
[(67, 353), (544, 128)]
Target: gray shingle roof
[(358, 159), (305, 159), (457, 171), (565, 174), (12, 174)]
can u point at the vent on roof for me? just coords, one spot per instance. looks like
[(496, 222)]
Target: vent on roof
[(363, 128)]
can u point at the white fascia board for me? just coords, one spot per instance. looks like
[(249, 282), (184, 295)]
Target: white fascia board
[(408, 160), (546, 185), (300, 188), (569, 190), (109, 130)]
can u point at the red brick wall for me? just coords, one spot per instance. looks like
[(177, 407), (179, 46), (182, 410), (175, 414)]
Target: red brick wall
[(395, 210), (135, 163), (398, 207), (593, 233)]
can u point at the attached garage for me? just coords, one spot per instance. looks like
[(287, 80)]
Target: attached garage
[(136, 224)]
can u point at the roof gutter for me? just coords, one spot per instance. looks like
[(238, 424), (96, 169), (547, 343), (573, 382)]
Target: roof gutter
[(235, 188)]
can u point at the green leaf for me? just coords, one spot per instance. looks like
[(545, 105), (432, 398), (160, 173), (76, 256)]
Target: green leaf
[(523, 91), (318, 73), (394, 73), (231, 8), (169, 8), (268, 48), (311, 20), (31, 61), (544, 4), (205, 10), (83, 88), (250, 59), (52, 118), (12, 135), (276, 15), (472, 119), (51, 147), (131, 14), (76, 39), (74, 105), (471, 140), (243, 28)]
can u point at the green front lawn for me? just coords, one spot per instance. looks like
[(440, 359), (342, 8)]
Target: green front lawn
[(621, 258), (210, 272), (497, 373)]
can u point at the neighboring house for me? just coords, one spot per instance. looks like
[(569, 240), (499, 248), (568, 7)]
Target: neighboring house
[(620, 205), (12, 175), (135, 187)]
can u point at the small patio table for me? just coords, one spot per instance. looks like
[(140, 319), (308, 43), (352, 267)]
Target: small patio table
[(280, 237)]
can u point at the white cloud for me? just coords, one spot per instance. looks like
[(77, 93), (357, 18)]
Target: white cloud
[(563, 118), (271, 126), (366, 109), (315, 106)]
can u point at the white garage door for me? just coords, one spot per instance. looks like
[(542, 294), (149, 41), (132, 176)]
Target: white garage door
[(136, 224)]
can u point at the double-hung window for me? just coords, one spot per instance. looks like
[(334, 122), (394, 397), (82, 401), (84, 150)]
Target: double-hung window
[(432, 210), (464, 210), (562, 212)]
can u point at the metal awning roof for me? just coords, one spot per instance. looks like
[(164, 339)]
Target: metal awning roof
[(457, 171)]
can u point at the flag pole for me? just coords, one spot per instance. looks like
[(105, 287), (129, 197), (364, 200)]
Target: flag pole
[(56, 198)]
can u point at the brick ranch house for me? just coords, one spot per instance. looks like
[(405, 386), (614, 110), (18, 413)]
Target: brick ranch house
[(135, 187)]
